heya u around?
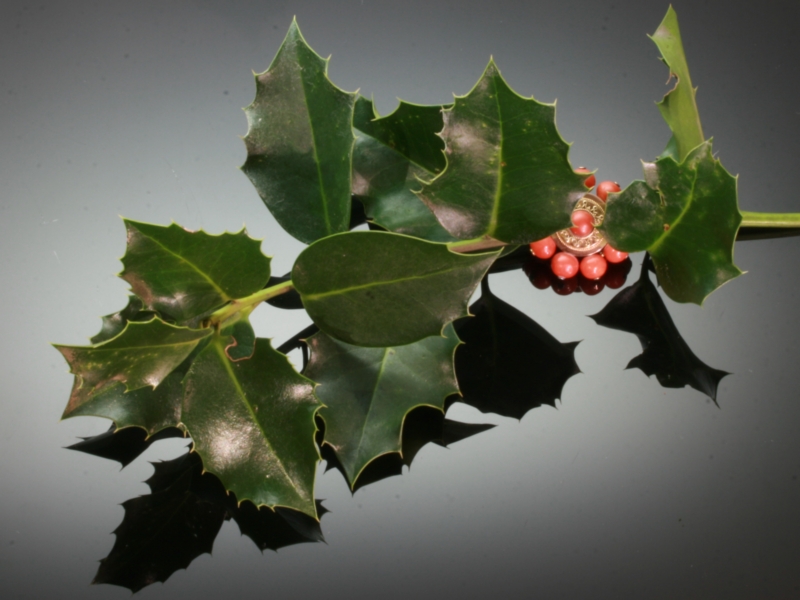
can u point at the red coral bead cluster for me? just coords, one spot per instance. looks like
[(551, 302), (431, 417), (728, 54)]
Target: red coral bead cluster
[(581, 248)]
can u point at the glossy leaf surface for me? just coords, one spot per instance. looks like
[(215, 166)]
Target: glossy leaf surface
[(252, 422), (184, 274), (390, 156), (678, 107), (299, 142), (372, 288), (687, 218), (509, 364), (367, 392), (148, 408), (507, 175), (144, 354), (639, 309)]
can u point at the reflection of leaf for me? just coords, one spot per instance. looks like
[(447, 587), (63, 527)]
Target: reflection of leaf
[(161, 533), (269, 529), (372, 288), (122, 445), (678, 107), (423, 425), (184, 273), (367, 392), (300, 141), (508, 363), (142, 355), (639, 309), (686, 218), (252, 423), (390, 155), (507, 175)]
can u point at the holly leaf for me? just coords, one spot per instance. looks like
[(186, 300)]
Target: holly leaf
[(299, 142), (367, 392), (372, 288), (184, 274), (243, 340), (422, 426), (147, 408), (114, 323), (639, 309), (164, 531), (390, 156), (144, 354), (508, 363), (508, 176), (252, 423), (679, 106), (686, 216)]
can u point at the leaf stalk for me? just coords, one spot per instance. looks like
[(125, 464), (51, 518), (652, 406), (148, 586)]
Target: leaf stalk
[(757, 219), (246, 304)]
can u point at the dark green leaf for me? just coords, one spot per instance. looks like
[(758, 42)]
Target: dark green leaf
[(300, 141), (639, 309), (422, 425), (678, 107), (252, 423), (507, 175), (114, 323), (243, 340), (372, 288), (144, 354), (148, 408), (686, 217), (367, 392), (184, 274), (390, 156), (509, 364)]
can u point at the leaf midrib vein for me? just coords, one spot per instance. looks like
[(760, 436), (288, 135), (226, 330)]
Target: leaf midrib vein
[(243, 397), (364, 286), (655, 245)]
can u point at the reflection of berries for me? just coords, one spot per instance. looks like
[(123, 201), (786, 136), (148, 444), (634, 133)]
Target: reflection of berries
[(541, 275)]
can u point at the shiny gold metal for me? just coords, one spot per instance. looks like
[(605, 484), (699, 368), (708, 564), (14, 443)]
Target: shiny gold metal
[(594, 242)]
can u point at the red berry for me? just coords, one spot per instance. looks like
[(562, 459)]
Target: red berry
[(604, 188), (584, 223), (613, 255), (564, 265), (593, 266), (589, 181), (544, 248)]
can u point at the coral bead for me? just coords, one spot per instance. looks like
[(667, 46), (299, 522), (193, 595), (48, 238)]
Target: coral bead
[(593, 266), (544, 248), (589, 181), (613, 255), (604, 188), (564, 265), (584, 223)]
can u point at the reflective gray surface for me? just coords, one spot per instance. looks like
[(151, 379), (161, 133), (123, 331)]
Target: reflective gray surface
[(627, 490)]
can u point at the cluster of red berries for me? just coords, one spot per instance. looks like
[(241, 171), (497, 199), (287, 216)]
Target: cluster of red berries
[(581, 248), (542, 277)]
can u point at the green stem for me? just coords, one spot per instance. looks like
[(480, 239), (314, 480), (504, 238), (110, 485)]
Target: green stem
[(248, 302), (756, 219), (481, 243)]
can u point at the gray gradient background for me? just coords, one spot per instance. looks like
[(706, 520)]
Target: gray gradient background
[(627, 490)]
